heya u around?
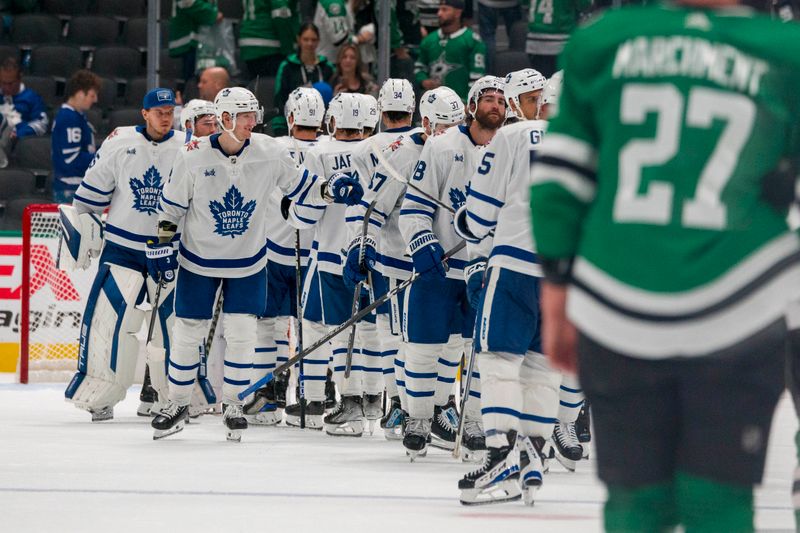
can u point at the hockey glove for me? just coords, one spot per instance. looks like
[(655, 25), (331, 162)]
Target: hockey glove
[(161, 261), (355, 271), (462, 227), (427, 254), (473, 275), (345, 189)]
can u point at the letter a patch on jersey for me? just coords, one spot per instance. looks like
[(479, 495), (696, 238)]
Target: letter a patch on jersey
[(146, 191), (233, 214)]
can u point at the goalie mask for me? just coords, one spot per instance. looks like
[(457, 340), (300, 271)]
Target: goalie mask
[(305, 108), (441, 106), (235, 100), (480, 87), (396, 94), (521, 82)]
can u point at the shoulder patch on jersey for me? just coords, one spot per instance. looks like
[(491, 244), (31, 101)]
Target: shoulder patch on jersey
[(146, 191), (232, 216), (192, 145), (457, 198), (131, 151), (334, 9), (458, 158), (396, 144), (209, 172)]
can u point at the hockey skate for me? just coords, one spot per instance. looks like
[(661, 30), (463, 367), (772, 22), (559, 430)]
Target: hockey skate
[(392, 422), (416, 437), (347, 419), (473, 442), (568, 450), (583, 428), (444, 427), (147, 397), (531, 466), (171, 420), (497, 481), (102, 414), (281, 384), (314, 412), (234, 421), (330, 393), (372, 410), (262, 410)]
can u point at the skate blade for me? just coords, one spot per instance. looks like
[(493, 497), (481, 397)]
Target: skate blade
[(159, 434), (348, 429), (442, 444), (505, 491), (472, 456), (102, 417), (233, 435), (256, 407), (529, 495), (412, 454), (260, 420), (371, 426), (569, 464), (145, 409), (312, 422), (392, 434)]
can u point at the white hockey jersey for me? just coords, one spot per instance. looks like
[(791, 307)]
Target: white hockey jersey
[(330, 235), (126, 176), (280, 233), (226, 200), (497, 199), (445, 165)]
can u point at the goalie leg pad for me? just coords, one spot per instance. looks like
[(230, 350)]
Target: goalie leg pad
[(83, 237), (188, 339), (240, 336), (540, 385), (420, 374), (447, 368), (570, 399), (501, 395), (108, 349)]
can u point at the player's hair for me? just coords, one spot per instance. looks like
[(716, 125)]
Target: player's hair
[(308, 26), (10, 63), (305, 128), (348, 131), (397, 116), (82, 80)]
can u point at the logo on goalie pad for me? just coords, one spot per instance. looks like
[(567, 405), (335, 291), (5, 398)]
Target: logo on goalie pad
[(232, 216), (146, 191)]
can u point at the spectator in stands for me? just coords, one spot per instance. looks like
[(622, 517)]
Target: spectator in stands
[(187, 17), (73, 136), (299, 70), (212, 80), (335, 26), (452, 55), (267, 35), (488, 13), (23, 110), (351, 76), (548, 31)]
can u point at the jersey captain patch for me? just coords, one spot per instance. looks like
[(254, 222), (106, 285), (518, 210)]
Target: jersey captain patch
[(232, 216), (146, 191)]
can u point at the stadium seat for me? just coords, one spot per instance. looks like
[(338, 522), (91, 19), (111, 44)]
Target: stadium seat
[(190, 90), (509, 61), (91, 31), (170, 67), (32, 29), (33, 153), (137, 88), (120, 62), (108, 97), (518, 36), (46, 87), (122, 9), (95, 116), (136, 33), (231, 9), (265, 92), (9, 50), (16, 182), (13, 210), (65, 8), (57, 60), (126, 116)]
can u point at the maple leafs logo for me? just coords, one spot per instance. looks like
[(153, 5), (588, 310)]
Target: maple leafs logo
[(457, 198), (146, 191), (232, 216)]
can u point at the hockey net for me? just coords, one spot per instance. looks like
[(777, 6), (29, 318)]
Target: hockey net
[(52, 300)]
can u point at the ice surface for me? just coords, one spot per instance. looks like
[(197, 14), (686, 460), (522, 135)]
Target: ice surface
[(61, 473)]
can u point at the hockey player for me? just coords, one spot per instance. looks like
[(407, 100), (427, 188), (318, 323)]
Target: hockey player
[(661, 229), (519, 389), (438, 317), (336, 25), (384, 247), (125, 177), (221, 186), (372, 114), (304, 112), (327, 302), (198, 118)]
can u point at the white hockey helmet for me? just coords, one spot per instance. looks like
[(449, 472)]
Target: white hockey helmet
[(371, 114), (196, 108), (235, 100), (306, 108), (552, 90), (441, 106), (397, 94), (521, 82), (482, 85), (348, 111)]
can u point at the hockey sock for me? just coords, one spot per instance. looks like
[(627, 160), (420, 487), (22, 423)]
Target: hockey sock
[(388, 346), (648, 509), (540, 393), (400, 375), (266, 351), (472, 410), (282, 338), (315, 365), (372, 358), (570, 396), (705, 505), (501, 398), (240, 347), (420, 373), (447, 368), (188, 336)]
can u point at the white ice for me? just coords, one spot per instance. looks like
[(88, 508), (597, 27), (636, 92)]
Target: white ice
[(61, 473)]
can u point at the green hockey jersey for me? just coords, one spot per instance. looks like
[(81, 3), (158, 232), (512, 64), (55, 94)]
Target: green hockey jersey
[(667, 176), (187, 16), (457, 60), (550, 23), (268, 27)]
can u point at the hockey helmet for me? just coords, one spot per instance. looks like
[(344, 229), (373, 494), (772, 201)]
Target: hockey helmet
[(370, 106), (397, 94), (235, 100), (552, 90), (481, 86), (520, 82), (306, 108), (346, 109), (196, 108), (441, 106)]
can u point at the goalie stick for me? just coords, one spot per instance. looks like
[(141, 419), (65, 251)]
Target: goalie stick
[(338, 329)]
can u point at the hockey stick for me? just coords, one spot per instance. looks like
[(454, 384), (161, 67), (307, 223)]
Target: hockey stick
[(357, 292), (298, 280), (202, 371), (348, 323), (464, 398), (156, 356)]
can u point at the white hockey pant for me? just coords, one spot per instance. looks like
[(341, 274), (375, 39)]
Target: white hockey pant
[(108, 348), (447, 368), (570, 396), (315, 364)]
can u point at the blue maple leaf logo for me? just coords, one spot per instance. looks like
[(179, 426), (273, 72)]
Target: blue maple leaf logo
[(457, 198), (146, 191), (232, 216)]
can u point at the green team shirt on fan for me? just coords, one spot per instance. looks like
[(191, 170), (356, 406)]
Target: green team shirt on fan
[(550, 23), (187, 17), (661, 175), (456, 60), (268, 27)]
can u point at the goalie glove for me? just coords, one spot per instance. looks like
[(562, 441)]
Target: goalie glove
[(473, 275), (355, 271), (83, 237)]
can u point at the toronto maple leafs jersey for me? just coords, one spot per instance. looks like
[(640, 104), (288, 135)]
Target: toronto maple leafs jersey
[(328, 248), (445, 165), (73, 148), (226, 200), (126, 176), (402, 153), (498, 210), (280, 233)]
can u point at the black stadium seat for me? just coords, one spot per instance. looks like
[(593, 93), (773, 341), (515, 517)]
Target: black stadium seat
[(16, 182), (13, 210), (170, 67), (510, 61), (126, 116), (32, 29), (107, 97), (136, 33), (46, 87), (57, 60), (117, 62), (90, 31), (33, 153), (122, 9), (231, 9), (518, 36), (9, 50), (66, 8)]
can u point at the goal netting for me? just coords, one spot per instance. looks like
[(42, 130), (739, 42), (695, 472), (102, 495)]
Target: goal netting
[(52, 300)]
